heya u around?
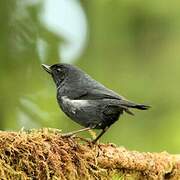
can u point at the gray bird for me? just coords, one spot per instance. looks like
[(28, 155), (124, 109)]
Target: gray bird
[(87, 101)]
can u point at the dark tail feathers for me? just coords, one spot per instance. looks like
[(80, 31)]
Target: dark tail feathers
[(141, 106), (128, 104)]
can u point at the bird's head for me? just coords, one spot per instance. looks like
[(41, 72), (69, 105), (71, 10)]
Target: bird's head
[(59, 72), (62, 72)]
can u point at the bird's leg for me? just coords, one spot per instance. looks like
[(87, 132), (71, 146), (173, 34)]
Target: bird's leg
[(75, 132), (102, 132)]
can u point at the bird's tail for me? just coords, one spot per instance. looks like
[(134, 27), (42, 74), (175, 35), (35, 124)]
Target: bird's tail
[(128, 104)]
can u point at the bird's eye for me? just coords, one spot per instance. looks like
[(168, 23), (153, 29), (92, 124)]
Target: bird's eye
[(59, 70)]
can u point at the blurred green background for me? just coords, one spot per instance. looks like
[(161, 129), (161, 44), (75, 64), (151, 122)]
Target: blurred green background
[(132, 47)]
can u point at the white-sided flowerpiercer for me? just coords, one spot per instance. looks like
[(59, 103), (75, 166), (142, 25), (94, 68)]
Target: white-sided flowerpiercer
[(87, 101)]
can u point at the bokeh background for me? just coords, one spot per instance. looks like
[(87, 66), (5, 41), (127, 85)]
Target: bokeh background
[(132, 47)]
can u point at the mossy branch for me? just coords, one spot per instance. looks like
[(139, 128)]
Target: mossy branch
[(44, 154)]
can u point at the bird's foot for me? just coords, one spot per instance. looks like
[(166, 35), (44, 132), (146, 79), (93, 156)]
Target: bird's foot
[(54, 130), (70, 134), (94, 141)]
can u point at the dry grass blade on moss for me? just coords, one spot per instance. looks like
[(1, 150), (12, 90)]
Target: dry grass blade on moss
[(44, 154)]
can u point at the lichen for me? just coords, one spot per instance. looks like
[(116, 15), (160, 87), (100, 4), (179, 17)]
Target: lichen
[(46, 154)]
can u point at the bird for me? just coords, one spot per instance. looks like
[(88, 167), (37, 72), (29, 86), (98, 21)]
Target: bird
[(87, 101)]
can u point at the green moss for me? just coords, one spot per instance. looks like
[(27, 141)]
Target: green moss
[(44, 154)]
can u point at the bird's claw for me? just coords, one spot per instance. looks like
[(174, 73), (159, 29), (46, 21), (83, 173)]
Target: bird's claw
[(68, 135), (54, 130)]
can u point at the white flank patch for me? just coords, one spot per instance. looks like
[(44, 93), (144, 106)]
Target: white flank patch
[(74, 104)]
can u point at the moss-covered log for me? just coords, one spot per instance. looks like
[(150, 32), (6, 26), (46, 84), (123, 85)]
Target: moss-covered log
[(44, 154)]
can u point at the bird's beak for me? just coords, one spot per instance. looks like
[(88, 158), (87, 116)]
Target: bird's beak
[(47, 68)]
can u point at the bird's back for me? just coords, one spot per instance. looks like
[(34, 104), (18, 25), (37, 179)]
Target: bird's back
[(78, 82)]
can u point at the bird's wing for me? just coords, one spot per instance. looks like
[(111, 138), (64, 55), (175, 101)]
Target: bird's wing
[(93, 94), (104, 93), (84, 87)]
